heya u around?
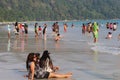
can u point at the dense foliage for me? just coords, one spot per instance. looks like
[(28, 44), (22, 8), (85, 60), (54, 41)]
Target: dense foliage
[(31, 10)]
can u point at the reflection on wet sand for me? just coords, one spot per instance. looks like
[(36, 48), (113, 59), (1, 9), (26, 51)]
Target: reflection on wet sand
[(9, 44), (96, 56), (62, 79), (22, 44), (45, 44), (38, 45), (59, 79), (19, 44), (57, 45)]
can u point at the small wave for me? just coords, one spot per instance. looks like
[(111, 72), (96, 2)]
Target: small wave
[(94, 44), (70, 40), (5, 53), (107, 49)]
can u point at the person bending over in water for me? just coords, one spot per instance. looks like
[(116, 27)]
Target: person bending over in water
[(109, 35), (34, 72), (58, 37)]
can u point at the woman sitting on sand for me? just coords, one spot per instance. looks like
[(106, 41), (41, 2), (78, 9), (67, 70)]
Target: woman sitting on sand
[(33, 72), (46, 62)]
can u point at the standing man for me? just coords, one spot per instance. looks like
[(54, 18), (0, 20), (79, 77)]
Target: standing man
[(45, 31), (36, 30), (56, 28), (26, 30)]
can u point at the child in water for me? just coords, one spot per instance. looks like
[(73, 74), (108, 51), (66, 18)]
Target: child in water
[(58, 37), (109, 35), (40, 31)]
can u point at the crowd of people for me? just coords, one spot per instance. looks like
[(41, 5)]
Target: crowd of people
[(42, 67), (111, 27), (39, 67), (94, 29), (39, 31), (21, 29), (91, 27)]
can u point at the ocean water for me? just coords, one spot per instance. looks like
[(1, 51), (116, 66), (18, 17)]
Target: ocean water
[(74, 53)]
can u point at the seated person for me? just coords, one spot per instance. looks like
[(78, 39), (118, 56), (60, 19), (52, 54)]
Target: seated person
[(46, 62), (34, 71), (109, 35)]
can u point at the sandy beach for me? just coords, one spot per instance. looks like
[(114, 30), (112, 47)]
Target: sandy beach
[(74, 53)]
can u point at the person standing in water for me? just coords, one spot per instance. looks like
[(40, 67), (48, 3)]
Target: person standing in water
[(95, 30), (26, 30), (9, 29), (65, 27), (40, 31), (83, 29), (36, 30), (17, 28), (45, 31)]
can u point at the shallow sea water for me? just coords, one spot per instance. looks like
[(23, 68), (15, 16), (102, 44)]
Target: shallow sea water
[(74, 53)]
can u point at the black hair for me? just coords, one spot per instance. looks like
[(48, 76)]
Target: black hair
[(43, 59), (29, 59)]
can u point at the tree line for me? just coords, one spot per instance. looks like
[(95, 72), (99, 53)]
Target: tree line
[(51, 10)]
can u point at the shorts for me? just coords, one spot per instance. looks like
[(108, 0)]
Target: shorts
[(46, 74), (95, 34)]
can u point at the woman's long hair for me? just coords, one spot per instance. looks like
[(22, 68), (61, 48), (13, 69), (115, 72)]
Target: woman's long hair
[(30, 58), (43, 59)]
